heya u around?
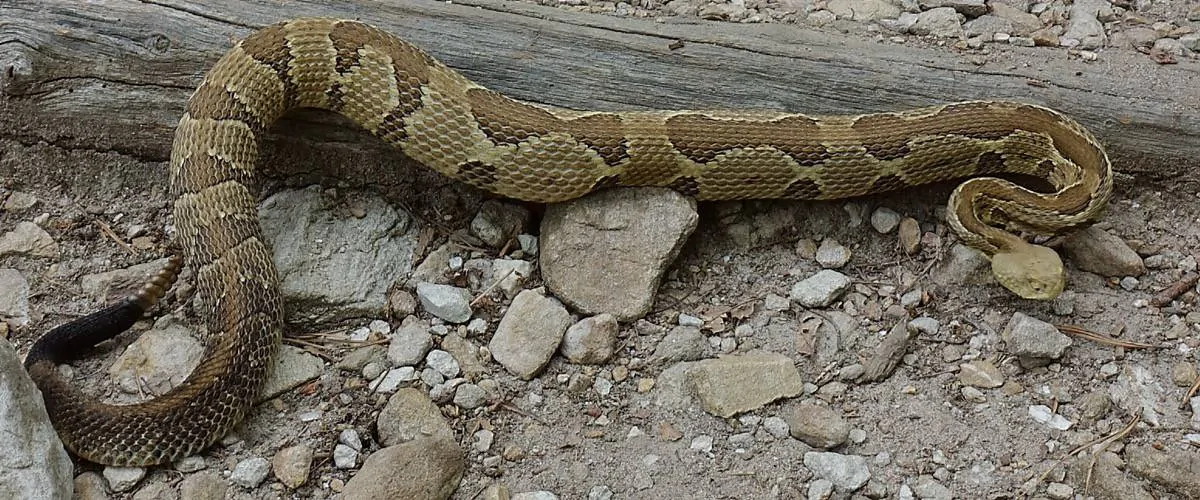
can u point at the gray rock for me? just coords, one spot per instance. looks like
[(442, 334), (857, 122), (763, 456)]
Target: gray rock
[(535, 495), (1191, 41), (344, 457), (1169, 46), (155, 491), (33, 463), (111, 286), (885, 220), (293, 367), (529, 244), (158, 360), (391, 379), (1137, 391), (964, 266), (1084, 26), (511, 274), (818, 425), (28, 239), (121, 479), (591, 341), (980, 373), (969, 8), (443, 362), (777, 427), (832, 255), (410, 343), (433, 268), (427, 468), (682, 343), (863, 10), (1033, 341), (14, 298), (470, 396), (450, 303), (291, 465), (987, 26), (942, 22), (847, 472), (332, 264), (585, 248), (18, 201), (355, 360), (466, 353), (203, 486), (926, 487), (251, 472), (529, 333), (409, 415), (1098, 251), (88, 486), (735, 384), (1024, 23), (497, 222), (821, 289), (1172, 468)]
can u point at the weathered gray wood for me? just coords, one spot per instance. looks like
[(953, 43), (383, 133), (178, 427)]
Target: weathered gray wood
[(114, 75)]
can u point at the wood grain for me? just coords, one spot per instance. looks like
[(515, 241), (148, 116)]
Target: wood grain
[(114, 75)]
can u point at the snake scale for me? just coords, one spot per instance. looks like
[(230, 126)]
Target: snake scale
[(539, 154)]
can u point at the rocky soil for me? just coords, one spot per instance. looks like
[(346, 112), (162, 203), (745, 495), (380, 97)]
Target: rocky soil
[(634, 344)]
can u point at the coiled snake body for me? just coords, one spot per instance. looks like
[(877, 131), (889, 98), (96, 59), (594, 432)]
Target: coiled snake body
[(533, 153)]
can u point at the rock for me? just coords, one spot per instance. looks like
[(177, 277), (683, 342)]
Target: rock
[(1183, 373), (443, 362), (410, 343), (1098, 251), (401, 304), (14, 298), (529, 333), (293, 367), (863, 10), (942, 22), (391, 379), (1024, 23), (818, 425), (591, 341), (1172, 468), (497, 222), (292, 464), (433, 268), (885, 220), (926, 487), (1044, 37), (1084, 26), (1137, 391), (470, 396), (586, 245), (890, 351), (821, 289), (28, 239), (466, 353), (909, 236), (535, 495), (969, 8), (332, 264), (987, 26), (155, 491), (122, 479), (511, 274), (34, 463), (964, 266), (409, 415), (18, 201), (682, 343), (1108, 477), (449, 303), (735, 384), (158, 360), (1042, 414), (203, 486), (847, 472), (344, 457), (115, 285), (1033, 341), (980, 373), (832, 255), (427, 468), (88, 486), (251, 472)]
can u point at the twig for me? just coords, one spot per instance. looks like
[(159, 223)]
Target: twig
[(1084, 333), (489, 289), (113, 236), (1176, 289)]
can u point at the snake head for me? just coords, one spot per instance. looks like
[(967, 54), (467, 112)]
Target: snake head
[(1031, 271)]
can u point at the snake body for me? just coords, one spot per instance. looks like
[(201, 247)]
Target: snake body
[(541, 154)]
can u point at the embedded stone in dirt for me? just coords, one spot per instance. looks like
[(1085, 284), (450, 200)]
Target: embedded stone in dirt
[(1098, 251), (818, 425), (409, 415), (592, 340), (847, 472), (423, 468), (28, 239), (735, 384), (1034, 342), (607, 252), (529, 333)]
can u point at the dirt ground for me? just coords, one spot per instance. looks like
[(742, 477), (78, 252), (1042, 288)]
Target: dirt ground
[(917, 422)]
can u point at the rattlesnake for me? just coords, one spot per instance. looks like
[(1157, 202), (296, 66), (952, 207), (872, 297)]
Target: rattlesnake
[(534, 153)]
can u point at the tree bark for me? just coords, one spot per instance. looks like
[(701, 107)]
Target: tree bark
[(115, 75)]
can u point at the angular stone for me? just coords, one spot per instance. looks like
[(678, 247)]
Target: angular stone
[(607, 252), (1098, 251), (408, 415), (847, 472), (28, 239), (32, 459), (450, 303), (14, 297), (818, 425), (735, 384), (427, 468), (1033, 341), (529, 333), (592, 340)]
